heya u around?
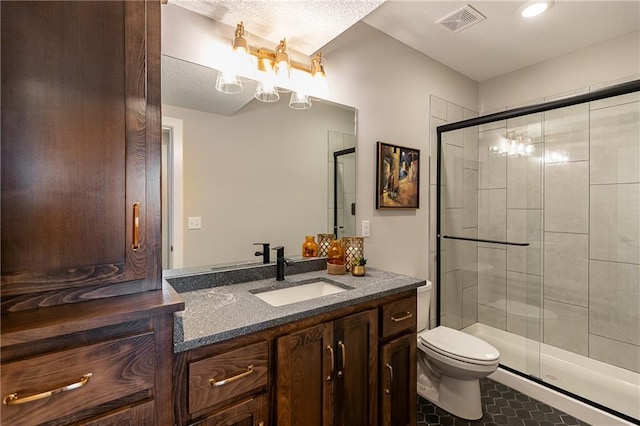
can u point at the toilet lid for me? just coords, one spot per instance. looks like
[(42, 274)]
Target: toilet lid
[(458, 344)]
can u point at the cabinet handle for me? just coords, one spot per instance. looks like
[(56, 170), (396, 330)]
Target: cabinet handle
[(14, 399), (406, 316), (213, 381), (136, 226), (343, 351), (390, 368), (333, 362)]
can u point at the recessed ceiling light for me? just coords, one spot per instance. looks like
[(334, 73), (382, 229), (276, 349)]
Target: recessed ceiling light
[(535, 8)]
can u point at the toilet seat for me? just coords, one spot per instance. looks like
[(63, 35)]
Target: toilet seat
[(459, 346)]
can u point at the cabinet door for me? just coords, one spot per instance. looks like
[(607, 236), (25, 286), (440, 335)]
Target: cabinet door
[(356, 342), (78, 117), (305, 375), (398, 381), (253, 412)]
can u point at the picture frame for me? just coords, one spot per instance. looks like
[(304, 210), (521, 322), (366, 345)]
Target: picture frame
[(397, 177)]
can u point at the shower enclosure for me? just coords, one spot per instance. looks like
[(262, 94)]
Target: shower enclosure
[(538, 241)]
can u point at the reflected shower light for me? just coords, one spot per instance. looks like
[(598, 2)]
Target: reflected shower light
[(513, 146), (554, 157)]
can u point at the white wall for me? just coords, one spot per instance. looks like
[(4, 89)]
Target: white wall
[(613, 61), (390, 84)]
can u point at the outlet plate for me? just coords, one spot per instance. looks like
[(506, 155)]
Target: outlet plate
[(366, 228), (194, 223)]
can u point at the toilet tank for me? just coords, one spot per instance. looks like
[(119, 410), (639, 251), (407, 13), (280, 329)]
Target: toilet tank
[(424, 303)]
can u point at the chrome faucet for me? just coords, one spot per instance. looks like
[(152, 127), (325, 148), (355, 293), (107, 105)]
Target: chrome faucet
[(264, 253), (281, 261)]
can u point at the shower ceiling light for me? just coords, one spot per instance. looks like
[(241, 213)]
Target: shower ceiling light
[(535, 8), (274, 69)]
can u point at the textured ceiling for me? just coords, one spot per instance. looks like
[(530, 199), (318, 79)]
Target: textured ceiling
[(504, 41), (306, 24), (501, 43)]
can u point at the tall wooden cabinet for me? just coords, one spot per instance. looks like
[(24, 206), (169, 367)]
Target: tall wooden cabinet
[(80, 150), (86, 323)]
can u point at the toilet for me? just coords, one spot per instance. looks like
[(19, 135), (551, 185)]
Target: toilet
[(451, 364)]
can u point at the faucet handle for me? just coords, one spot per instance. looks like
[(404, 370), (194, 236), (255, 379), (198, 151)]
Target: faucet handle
[(264, 253), (279, 250)]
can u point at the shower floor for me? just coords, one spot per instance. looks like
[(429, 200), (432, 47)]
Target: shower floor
[(607, 385)]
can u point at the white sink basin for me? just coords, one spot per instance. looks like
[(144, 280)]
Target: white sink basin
[(297, 293)]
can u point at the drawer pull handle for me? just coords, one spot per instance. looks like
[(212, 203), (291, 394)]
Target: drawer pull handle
[(390, 368), (333, 363), (343, 351), (213, 382), (136, 226), (15, 399), (406, 316)]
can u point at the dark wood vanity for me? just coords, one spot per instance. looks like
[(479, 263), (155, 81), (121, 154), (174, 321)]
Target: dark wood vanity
[(354, 365)]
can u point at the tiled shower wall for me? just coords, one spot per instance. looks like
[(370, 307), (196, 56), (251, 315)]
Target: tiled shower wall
[(463, 147), (575, 200)]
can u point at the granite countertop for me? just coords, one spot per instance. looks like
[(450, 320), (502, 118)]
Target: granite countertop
[(216, 310)]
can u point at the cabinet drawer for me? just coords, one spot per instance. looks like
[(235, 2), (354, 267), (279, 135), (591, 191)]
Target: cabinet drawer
[(219, 378), (398, 316), (72, 382)]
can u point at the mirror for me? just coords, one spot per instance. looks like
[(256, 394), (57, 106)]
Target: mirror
[(239, 171)]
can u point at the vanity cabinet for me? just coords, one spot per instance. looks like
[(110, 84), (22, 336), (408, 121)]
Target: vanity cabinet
[(329, 369), (98, 362), (80, 151), (327, 373), (219, 385), (398, 363)]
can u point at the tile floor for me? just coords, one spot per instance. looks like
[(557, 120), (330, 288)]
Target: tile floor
[(501, 405)]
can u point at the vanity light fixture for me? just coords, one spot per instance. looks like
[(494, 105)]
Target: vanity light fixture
[(535, 8), (274, 72)]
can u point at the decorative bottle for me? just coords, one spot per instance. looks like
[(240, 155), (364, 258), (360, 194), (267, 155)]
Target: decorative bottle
[(309, 247), (335, 258)]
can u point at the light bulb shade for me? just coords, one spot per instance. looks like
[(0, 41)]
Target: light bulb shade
[(299, 100), (228, 83), (267, 92)]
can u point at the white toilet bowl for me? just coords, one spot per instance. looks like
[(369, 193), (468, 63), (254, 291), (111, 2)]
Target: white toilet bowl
[(450, 365)]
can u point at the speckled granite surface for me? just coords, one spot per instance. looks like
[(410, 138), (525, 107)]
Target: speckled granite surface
[(214, 313)]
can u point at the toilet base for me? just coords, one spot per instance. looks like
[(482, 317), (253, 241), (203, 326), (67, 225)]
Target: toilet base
[(458, 397)]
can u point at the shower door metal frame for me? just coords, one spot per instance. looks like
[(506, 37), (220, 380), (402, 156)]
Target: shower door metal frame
[(611, 91)]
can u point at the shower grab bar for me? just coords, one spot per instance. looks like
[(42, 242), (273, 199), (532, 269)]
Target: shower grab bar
[(508, 243)]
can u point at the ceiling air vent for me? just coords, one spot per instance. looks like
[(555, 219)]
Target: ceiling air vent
[(461, 19)]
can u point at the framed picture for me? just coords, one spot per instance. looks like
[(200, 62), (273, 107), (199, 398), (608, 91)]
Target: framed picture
[(397, 176)]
